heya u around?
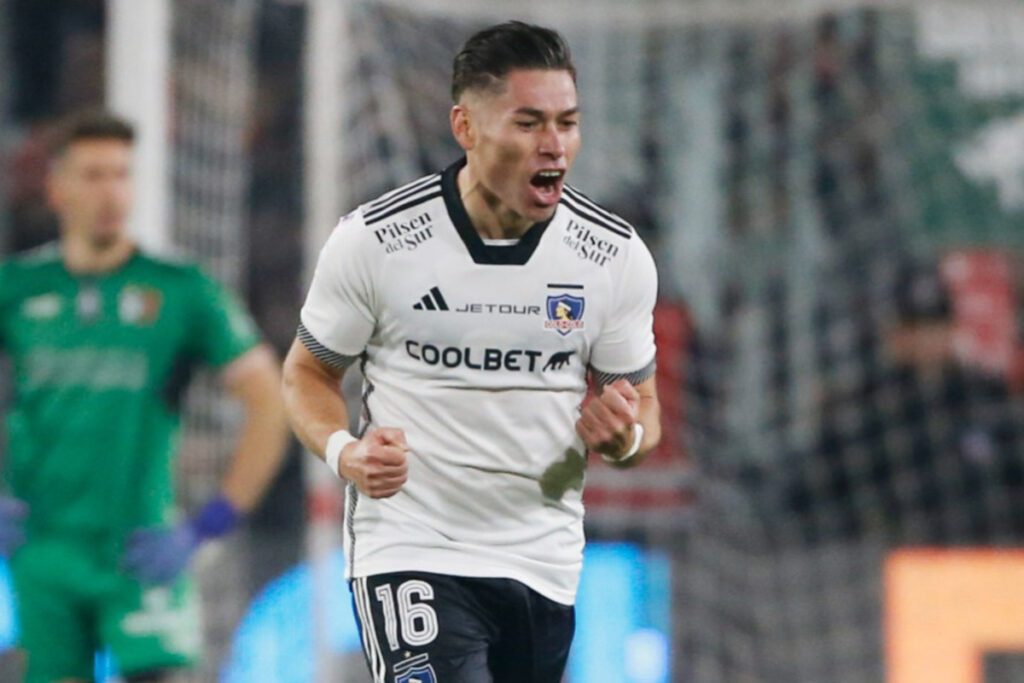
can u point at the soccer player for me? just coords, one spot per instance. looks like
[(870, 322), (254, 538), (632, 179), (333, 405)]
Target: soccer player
[(478, 300), (102, 337)]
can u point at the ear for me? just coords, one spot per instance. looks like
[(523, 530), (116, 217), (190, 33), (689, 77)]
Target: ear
[(462, 126)]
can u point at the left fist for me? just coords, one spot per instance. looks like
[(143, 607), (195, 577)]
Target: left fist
[(606, 420)]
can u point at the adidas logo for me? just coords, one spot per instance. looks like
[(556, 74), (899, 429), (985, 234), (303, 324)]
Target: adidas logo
[(431, 301)]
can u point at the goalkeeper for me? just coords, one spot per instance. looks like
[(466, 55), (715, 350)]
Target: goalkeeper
[(102, 337)]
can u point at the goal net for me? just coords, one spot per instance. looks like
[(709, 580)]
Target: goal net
[(833, 190), (212, 72)]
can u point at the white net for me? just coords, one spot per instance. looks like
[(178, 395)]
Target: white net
[(213, 77), (825, 184), (213, 71)]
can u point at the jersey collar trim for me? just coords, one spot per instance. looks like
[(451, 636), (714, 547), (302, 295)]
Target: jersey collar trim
[(512, 255)]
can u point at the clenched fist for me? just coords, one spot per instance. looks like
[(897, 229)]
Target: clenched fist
[(606, 420), (377, 462)]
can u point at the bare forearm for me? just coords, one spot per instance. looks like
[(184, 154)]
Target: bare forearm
[(313, 399), (649, 415), (255, 380), (315, 408), (258, 452)]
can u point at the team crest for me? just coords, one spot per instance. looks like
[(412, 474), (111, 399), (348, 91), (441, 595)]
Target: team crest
[(138, 305), (419, 674), (565, 313)]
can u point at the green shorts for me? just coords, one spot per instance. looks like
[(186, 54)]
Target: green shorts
[(72, 602)]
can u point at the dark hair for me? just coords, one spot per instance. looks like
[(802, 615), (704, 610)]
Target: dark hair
[(92, 124), (491, 53)]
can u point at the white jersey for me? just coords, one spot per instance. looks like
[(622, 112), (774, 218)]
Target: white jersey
[(480, 354)]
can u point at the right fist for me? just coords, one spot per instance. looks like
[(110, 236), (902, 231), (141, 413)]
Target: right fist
[(376, 463)]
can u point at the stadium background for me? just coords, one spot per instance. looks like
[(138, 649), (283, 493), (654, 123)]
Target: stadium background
[(833, 190)]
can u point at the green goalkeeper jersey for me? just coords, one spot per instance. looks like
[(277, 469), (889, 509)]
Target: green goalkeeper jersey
[(100, 363)]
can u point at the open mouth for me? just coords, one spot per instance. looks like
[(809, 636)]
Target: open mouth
[(547, 185)]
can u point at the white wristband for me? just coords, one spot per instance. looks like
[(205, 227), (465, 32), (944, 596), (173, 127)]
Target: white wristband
[(638, 436), (336, 442)]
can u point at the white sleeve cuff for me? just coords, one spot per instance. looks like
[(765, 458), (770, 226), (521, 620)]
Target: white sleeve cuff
[(336, 442), (638, 436)]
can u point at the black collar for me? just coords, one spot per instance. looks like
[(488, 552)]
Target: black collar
[(517, 254)]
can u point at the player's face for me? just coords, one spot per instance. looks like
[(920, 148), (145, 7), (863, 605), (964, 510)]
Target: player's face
[(525, 139), (91, 189)]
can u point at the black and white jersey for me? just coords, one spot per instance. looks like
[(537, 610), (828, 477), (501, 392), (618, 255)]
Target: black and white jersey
[(480, 353)]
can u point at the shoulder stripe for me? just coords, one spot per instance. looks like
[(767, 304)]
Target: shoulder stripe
[(568, 203), (374, 203), (433, 193), (597, 208), (321, 352), (378, 206)]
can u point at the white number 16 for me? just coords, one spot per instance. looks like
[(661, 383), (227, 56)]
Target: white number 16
[(418, 619)]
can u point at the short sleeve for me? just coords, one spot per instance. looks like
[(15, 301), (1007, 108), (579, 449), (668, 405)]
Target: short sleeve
[(625, 347), (224, 328), (338, 316)]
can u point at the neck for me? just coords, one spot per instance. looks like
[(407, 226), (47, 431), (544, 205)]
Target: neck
[(83, 256), (490, 218)]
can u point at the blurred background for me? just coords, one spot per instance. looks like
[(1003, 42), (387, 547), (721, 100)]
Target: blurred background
[(834, 194)]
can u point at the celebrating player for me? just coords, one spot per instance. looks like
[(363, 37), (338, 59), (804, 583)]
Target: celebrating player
[(102, 338), (478, 300)]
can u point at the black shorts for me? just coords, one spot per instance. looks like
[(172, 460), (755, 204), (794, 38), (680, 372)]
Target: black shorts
[(436, 628)]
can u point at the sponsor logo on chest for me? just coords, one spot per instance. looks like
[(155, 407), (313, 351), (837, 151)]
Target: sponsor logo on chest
[(564, 311), (42, 307), (489, 359)]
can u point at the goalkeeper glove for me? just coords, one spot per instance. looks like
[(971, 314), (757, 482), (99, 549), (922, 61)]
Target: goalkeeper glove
[(156, 555)]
